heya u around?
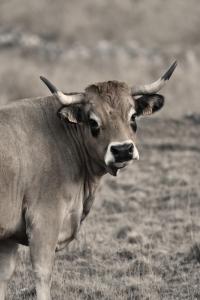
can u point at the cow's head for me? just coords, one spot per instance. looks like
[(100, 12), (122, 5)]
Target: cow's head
[(107, 113)]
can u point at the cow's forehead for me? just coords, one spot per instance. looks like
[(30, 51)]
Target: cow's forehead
[(113, 95)]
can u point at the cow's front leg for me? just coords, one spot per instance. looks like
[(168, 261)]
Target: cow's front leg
[(42, 261), (43, 236)]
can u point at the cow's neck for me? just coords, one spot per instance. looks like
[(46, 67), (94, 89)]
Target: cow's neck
[(90, 172)]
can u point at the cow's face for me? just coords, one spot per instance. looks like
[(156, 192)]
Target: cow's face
[(106, 113), (108, 116)]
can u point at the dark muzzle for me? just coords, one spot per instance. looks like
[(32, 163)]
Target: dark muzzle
[(122, 152)]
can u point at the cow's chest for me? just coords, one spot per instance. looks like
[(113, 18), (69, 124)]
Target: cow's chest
[(73, 213)]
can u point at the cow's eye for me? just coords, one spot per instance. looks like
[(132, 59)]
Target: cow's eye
[(94, 126), (133, 122)]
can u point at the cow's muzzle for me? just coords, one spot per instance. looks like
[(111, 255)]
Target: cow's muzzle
[(119, 155), (122, 152)]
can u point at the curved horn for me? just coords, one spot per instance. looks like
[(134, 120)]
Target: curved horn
[(64, 99), (156, 86)]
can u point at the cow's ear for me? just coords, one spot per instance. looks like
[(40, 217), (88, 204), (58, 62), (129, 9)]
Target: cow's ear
[(148, 104), (72, 113)]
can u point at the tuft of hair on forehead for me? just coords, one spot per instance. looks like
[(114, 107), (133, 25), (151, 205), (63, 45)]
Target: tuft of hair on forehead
[(111, 91)]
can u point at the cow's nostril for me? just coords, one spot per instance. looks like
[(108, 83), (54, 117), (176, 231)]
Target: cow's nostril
[(130, 150), (114, 150)]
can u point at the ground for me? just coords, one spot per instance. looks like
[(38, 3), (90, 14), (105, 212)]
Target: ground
[(141, 239)]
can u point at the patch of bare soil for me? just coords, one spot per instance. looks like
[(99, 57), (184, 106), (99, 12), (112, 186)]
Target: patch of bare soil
[(142, 237)]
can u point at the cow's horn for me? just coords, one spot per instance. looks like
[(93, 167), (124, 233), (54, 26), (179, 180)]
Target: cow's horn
[(64, 99), (156, 86)]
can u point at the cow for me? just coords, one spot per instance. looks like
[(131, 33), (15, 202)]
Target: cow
[(53, 152)]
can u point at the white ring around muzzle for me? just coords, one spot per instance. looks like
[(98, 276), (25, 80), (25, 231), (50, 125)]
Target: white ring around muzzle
[(109, 157)]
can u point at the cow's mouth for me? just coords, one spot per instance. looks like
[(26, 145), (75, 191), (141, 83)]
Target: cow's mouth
[(114, 167)]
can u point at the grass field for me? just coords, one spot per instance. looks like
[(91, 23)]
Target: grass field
[(142, 238)]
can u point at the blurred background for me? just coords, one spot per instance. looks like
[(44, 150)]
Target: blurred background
[(142, 238), (75, 43)]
